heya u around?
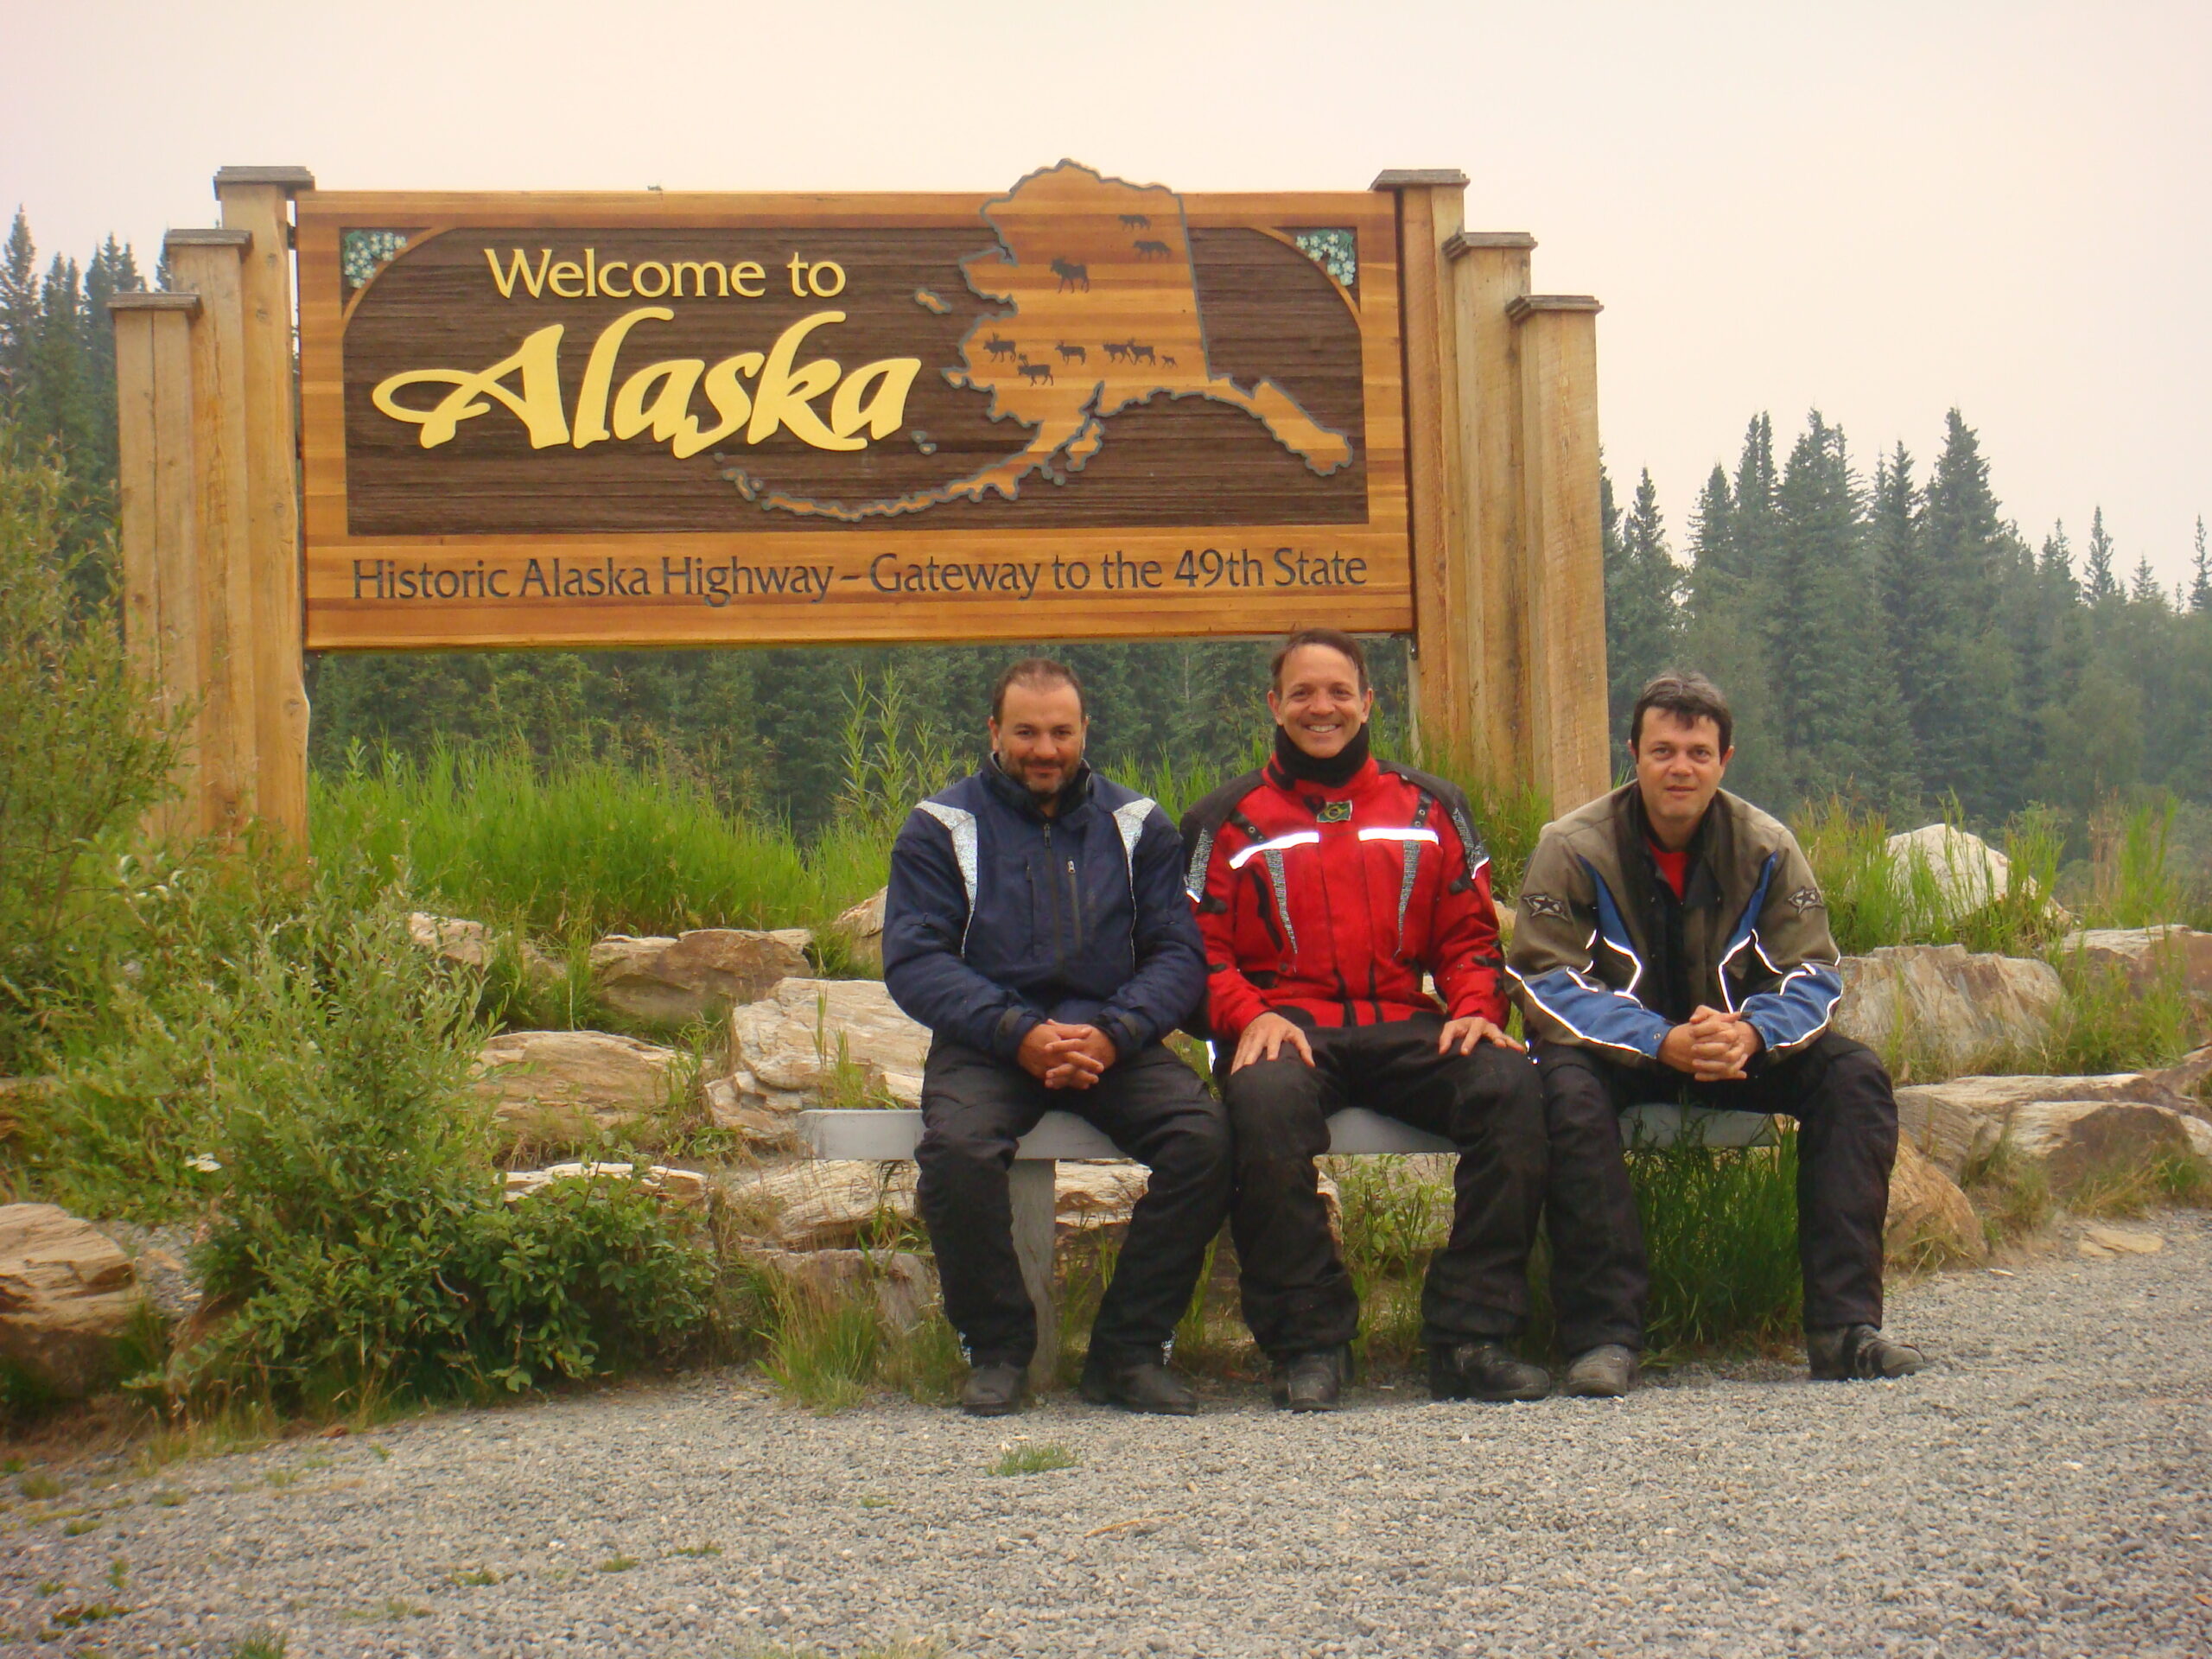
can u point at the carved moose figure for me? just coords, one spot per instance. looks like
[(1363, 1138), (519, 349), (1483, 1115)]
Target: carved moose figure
[(1071, 274), (998, 347), (1072, 353), (1035, 373)]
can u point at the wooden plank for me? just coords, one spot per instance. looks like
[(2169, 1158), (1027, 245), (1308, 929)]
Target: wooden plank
[(1489, 270), (228, 749), (136, 464), (1033, 1192), (272, 522), (1428, 213), (287, 179), (1565, 555), (175, 531)]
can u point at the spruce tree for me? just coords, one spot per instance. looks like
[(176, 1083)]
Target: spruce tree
[(2144, 588), (2200, 587), (18, 309), (2098, 583), (1642, 615)]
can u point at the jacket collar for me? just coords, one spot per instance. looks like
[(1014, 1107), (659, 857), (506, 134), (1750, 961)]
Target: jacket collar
[(1634, 841), (1074, 795), (1300, 788)]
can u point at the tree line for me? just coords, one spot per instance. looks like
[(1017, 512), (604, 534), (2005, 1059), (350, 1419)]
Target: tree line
[(1894, 638)]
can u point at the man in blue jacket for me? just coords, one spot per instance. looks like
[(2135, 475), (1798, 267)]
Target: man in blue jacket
[(1037, 925)]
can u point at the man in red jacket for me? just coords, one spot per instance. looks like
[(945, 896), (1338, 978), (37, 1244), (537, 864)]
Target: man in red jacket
[(1327, 884)]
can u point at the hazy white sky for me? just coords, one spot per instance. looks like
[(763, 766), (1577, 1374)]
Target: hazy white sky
[(1878, 209)]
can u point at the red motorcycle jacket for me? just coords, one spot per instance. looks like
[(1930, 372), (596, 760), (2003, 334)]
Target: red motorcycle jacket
[(1335, 902)]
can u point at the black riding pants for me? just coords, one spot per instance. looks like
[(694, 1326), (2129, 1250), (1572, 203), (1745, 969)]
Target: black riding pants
[(1297, 1296), (1153, 1107), (1846, 1141)]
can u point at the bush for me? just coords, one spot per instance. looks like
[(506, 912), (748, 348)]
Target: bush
[(83, 752), (308, 1095)]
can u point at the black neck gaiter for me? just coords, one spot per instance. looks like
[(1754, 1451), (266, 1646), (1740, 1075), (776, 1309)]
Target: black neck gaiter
[(1332, 773)]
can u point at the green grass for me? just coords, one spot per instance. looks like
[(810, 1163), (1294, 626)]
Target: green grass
[(474, 1577), (617, 1564), (1038, 1458), (260, 1644), (697, 1552)]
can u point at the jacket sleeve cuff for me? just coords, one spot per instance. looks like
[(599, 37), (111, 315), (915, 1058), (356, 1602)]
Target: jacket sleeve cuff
[(1125, 1034), (1016, 1023)]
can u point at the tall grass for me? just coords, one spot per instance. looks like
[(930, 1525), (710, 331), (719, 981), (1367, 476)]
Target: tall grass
[(573, 847), (1875, 899)]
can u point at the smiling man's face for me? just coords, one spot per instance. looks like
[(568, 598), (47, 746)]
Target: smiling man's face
[(1319, 701), (1678, 765)]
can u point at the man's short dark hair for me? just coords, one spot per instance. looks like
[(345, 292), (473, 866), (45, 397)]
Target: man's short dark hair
[(1689, 698), (1334, 639), (1033, 670)]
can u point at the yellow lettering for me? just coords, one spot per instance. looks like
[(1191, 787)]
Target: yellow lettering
[(606, 279), (591, 273), (785, 398), (698, 267), (744, 271), (668, 413), (892, 378), (731, 401), (599, 372), (532, 280), (797, 266), (823, 288), (566, 271), (539, 361), (639, 279)]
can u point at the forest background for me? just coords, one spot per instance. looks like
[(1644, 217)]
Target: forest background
[(1887, 636)]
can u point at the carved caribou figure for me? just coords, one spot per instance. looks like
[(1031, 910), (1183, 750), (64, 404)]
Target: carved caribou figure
[(1035, 373), (1071, 274)]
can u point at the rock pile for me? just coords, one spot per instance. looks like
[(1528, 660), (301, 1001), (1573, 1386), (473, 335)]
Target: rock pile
[(67, 1294)]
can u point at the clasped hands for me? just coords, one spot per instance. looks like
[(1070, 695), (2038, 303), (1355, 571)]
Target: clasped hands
[(1066, 1057), (1714, 1046), (1266, 1037)]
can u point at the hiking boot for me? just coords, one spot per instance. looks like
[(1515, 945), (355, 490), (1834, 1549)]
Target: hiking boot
[(1605, 1372), (1144, 1385), (1314, 1382), (995, 1390), (1485, 1370), (1840, 1353)]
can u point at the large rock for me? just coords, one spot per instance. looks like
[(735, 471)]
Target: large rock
[(811, 1042), (862, 928), (2074, 1140), (1934, 1010), (2150, 957), (696, 975), (1931, 1221), (475, 945), (68, 1293), (902, 1283), (822, 1205), (563, 1087), (1954, 1124), (1968, 871), (685, 1188)]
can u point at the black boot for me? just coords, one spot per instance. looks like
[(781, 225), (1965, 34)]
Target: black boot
[(1144, 1385), (995, 1390), (1313, 1381), (1485, 1370), (1841, 1353)]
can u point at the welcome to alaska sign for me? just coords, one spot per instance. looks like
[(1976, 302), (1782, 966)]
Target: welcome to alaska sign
[(1081, 408)]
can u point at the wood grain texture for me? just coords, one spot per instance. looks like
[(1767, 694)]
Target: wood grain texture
[(1487, 276), (1428, 215), (1565, 554), (1176, 475), (137, 466), (286, 179), (272, 524), (176, 555), (1033, 1193), (228, 716)]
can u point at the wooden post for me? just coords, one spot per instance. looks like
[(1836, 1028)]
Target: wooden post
[(1430, 206), (158, 514), (1489, 270), (207, 262), (1563, 565), (1032, 1188), (257, 200)]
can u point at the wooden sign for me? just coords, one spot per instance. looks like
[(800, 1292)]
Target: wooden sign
[(1081, 408)]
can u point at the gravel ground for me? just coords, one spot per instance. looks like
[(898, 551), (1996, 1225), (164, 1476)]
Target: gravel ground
[(2041, 1489)]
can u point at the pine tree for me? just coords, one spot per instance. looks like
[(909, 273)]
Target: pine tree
[(2200, 587), (2098, 581), (1642, 614), (1751, 549), (1709, 583), (2144, 588), (18, 309)]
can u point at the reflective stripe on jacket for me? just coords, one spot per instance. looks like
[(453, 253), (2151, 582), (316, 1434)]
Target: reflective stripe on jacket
[(1591, 964), (1334, 902)]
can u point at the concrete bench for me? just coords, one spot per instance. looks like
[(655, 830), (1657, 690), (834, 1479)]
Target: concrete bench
[(889, 1136)]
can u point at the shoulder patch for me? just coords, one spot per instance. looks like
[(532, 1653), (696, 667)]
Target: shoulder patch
[(1806, 899), (1542, 904)]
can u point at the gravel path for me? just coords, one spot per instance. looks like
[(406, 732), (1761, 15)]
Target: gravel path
[(2041, 1489)]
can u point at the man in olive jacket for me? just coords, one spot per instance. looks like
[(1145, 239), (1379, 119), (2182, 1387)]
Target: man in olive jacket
[(1672, 944)]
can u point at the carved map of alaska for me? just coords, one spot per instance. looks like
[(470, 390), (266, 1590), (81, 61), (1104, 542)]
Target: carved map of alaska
[(1105, 316)]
